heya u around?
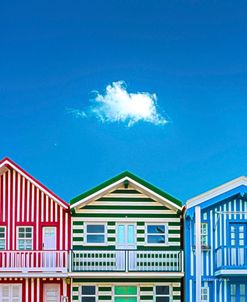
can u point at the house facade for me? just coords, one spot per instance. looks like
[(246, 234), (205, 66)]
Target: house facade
[(126, 243), (216, 244), (34, 239)]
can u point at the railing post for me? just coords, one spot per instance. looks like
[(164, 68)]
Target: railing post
[(126, 261)]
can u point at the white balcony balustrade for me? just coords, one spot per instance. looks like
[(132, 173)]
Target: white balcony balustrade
[(231, 258), (33, 261), (126, 261)]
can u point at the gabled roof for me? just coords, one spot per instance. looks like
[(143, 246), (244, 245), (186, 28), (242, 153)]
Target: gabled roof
[(112, 183), (7, 163), (233, 187)]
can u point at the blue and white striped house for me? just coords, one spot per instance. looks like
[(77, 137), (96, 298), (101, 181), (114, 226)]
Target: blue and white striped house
[(216, 244)]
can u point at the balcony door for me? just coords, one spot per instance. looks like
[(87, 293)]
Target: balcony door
[(126, 240), (238, 242), (49, 238)]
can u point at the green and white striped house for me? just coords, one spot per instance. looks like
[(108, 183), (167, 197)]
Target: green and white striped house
[(126, 243)]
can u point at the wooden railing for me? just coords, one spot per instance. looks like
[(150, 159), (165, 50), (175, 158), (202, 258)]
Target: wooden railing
[(231, 257), (34, 261), (126, 261)]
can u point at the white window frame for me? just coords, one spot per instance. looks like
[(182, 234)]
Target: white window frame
[(207, 293), (86, 233), (17, 237), (165, 234), (4, 227), (95, 295), (126, 285), (168, 295)]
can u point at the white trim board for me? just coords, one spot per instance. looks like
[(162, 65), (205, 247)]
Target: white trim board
[(237, 182), (83, 202)]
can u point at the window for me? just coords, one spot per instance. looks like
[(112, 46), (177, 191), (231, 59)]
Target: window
[(204, 294), (25, 238), (125, 293), (156, 234), (95, 233), (204, 234), (2, 238), (233, 293), (88, 293), (162, 293)]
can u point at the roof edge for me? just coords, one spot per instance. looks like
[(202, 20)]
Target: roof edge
[(120, 176), (7, 161), (237, 182)]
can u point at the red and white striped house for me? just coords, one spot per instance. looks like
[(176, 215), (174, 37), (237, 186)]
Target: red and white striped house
[(34, 239)]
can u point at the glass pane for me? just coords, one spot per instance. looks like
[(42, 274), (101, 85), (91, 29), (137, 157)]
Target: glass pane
[(162, 299), (156, 229), (88, 299), (121, 234), (2, 244), (125, 299), (242, 289), (156, 239), (95, 228), (131, 234), (2, 232), (233, 289), (125, 290), (162, 290), (241, 228), (88, 290), (95, 238)]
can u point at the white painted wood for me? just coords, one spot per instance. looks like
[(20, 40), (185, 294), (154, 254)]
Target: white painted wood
[(38, 261), (198, 253)]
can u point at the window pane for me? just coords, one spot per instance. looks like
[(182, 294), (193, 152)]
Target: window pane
[(156, 239), (131, 234), (162, 299), (88, 290), (162, 290), (156, 229), (125, 290), (95, 238), (2, 232), (2, 244), (95, 228), (121, 234), (87, 299), (242, 289)]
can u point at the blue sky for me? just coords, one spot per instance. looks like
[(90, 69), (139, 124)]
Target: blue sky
[(190, 54)]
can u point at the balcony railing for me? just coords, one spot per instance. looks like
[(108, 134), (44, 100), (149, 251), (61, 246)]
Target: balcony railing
[(33, 261), (231, 258), (126, 261)]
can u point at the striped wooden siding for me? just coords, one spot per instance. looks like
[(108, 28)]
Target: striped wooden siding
[(131, 205), (217, 235), (33, 288), (146, 290), (24, 204)]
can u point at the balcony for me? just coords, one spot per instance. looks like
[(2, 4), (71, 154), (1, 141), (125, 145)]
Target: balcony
[(127, 261), (231, 261), (23, 262)]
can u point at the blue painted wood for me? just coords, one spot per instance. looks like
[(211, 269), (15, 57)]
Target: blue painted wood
[(224, 257)]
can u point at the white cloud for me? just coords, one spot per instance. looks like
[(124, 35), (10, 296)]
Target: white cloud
[(118, 105)]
